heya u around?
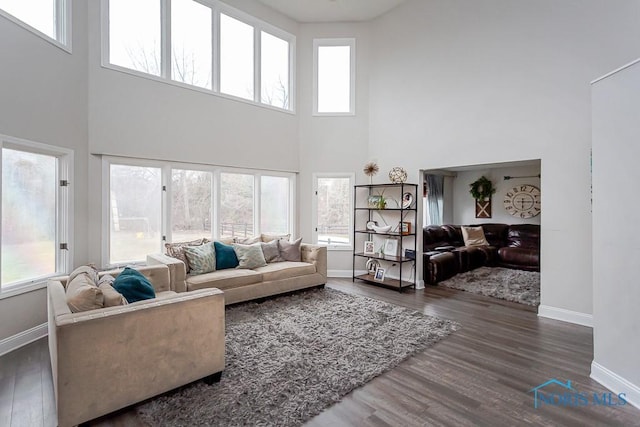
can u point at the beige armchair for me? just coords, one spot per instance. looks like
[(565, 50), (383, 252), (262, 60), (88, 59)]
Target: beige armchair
[(106, 359)]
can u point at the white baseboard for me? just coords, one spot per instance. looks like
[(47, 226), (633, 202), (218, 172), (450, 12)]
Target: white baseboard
[(616, 383), (344, 273), (16, 341), (565, 315)]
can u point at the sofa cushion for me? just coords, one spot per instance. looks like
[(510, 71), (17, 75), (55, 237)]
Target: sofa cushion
[(133, 285), (473, 236), (112, 297), (176, 250), (249, 256), (223, 279), (271, 237), (225, 256), (519, 256), (290, 251), (202, 259), (82, 293), (285, 270), (248, 240), (271, 251)]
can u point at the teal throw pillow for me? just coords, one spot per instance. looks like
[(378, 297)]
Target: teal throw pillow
[(202, 259), (225, 256), (250, 256), (134, 286)]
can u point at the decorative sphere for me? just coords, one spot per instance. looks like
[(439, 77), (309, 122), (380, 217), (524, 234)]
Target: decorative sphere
[(398, 175)]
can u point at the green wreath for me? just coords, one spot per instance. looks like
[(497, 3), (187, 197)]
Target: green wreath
[(481, 188)]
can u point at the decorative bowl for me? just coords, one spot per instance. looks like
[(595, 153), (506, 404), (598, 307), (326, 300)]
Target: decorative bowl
[(381, 229)]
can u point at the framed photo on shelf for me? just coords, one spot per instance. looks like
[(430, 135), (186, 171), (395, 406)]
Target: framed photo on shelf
[(369, 247), (379, 276), (391, 247), (405, 228)]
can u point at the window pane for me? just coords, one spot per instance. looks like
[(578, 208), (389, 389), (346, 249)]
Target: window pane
[(274, 205), (134, 35), (236, 57), (334, 195), (135, 208), (236, 205), (191, 43), (334, 79), (274, 70), (190, 205), (40, 14), (28, 215)]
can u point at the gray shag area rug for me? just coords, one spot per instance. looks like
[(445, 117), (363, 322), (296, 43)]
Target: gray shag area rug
[(512, 285), (289, 358)]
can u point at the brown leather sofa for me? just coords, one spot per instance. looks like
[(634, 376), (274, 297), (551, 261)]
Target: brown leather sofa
[(513, 246)]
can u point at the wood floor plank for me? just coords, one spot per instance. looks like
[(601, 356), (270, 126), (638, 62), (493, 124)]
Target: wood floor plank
[(479, 376)]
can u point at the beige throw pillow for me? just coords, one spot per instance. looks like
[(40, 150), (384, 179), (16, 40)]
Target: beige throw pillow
[(82, 293), (112, 297), (474, 236), (270, 237)]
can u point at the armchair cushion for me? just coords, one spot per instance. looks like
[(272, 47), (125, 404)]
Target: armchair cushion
[(133, 285), (82, 293), (112, 297)]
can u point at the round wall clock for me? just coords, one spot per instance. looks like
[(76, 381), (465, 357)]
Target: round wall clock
[(523, 201)]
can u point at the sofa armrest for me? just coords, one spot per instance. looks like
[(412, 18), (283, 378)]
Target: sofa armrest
[(316, 255), (133, 352), (177, 270)]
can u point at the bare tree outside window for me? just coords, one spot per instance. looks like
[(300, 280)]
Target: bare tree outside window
[(334, 212)]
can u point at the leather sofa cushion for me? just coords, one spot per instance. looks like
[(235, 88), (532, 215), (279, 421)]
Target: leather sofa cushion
[(519, 256), (223, 279), (524, 236), (285, 270)]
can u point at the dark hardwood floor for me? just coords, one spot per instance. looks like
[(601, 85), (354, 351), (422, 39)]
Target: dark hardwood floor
[(479, 376)]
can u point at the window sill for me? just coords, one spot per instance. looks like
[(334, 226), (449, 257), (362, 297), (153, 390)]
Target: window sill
[(56, 43), (16, 290), (340, 248)]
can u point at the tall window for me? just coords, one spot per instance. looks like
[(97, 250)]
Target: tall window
[(333, 213), (191, 196), (275, 196), (334, 76), (135, 210), (236, 205), (173, 40), (274, 70), (191, 43), (134, 35), (49, 18), (34, 212), (236, 57)]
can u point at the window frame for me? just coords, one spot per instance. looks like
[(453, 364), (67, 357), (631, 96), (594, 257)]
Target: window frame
[(217, 7), (166, 221), (63, 25), (64, 211), (351, 42), (314, 206)]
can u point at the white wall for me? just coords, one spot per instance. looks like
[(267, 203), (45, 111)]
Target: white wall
[(464, 211), (616, 103), (133, 116), (43, 98), (456, 82), (331, 144)]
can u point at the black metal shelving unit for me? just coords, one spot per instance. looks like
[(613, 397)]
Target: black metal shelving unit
[(406, 240)]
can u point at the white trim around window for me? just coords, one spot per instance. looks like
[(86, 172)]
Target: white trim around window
[(64, 211), (349, 214), (62, 23), (166, 220), (347, 42), (217, 8)]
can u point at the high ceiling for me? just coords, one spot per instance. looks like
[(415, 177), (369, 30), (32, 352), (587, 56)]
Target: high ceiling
[(332, 10)]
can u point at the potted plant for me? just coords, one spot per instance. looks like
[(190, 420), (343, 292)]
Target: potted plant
[(482, 189)]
